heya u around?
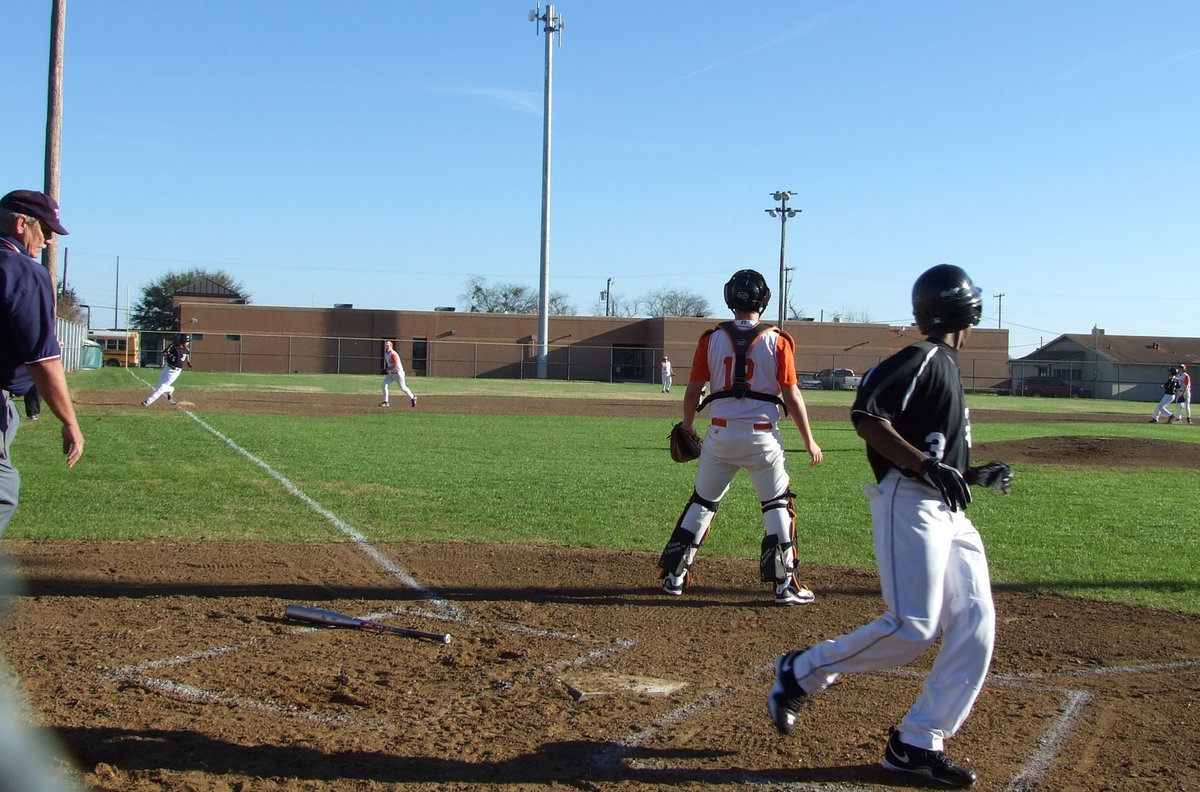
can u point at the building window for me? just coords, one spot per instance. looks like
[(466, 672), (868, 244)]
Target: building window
[(420, 356)]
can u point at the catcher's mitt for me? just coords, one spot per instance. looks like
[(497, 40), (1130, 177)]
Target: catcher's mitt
[(685, 445), (995, 475)]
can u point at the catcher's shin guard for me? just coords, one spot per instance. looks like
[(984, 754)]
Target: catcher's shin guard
[(685, 541), (777, 559)]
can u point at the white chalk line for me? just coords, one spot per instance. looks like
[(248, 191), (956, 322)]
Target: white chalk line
[(447, 611), (1074, 702), (337, 522)]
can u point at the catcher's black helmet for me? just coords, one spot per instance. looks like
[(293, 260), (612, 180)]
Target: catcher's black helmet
[(747, 291), (945, 299), (182, 338)]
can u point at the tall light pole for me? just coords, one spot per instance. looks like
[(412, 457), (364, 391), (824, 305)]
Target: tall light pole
[(783, 213), (999, 309), (552, 24), (54, 101)]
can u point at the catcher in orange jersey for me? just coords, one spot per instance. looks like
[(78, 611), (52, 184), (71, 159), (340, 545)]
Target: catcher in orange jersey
[(394, 372), (752, 370)]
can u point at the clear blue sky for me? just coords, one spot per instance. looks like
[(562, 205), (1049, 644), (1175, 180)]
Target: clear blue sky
[(381, 153)]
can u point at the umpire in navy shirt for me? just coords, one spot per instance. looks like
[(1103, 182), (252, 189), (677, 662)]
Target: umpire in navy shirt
[(29, 348)]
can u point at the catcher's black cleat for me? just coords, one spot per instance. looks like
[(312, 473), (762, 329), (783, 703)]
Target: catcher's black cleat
[(904, 758), (786, 697), (675, 584)]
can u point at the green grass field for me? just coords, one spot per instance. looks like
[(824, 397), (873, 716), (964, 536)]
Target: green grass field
[(573, 481)]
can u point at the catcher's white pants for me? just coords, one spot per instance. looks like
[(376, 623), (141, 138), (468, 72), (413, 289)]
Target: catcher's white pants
[(934, 576), (739, 446), (398, 378), (168, 376)]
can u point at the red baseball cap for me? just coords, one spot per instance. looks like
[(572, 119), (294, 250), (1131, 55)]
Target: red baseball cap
[(34, 204)]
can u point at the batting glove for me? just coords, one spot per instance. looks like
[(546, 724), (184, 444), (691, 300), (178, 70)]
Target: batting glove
[(994, 475), (947, 481)]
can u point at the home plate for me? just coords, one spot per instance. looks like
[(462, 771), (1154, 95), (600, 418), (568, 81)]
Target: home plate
[(586, 686)]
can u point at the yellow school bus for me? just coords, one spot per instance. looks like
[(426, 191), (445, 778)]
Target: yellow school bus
[(120, 347)]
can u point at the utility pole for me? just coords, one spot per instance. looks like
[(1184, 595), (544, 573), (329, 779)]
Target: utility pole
[(553, 24), (999, 309), (54, 101), (783, 213), (608, 298)]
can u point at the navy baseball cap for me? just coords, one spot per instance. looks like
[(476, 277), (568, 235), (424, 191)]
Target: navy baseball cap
[(34, 204)]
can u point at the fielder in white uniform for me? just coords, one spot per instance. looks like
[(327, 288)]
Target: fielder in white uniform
[(749, 386), (1184, 394), (911, 411), (395, 373), (175, 358), (667, 374)]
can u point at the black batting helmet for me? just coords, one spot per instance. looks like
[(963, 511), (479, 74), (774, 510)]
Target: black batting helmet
[(182, 338), (747, 291), (944, 298)]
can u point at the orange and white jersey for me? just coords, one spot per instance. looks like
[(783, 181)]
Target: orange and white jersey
[(391, 361), (770, 365)]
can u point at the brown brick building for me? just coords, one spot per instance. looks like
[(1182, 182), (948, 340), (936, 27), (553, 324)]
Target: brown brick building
[(231, 336)]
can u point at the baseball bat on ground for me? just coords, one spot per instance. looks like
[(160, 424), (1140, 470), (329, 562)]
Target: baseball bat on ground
[(335, 619)]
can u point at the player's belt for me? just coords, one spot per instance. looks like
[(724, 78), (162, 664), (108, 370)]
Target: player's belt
[(762, 427)]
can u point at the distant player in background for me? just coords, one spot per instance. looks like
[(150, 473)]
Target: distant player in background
[(394, 372), (1169, 388), (667, 378), (1184, 394), (178, 355)]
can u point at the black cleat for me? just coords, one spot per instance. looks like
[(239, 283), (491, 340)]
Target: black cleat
[(935, 765), (786, 697)]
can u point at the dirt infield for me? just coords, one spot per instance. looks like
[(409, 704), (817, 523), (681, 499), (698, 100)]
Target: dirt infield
[(170, 666)]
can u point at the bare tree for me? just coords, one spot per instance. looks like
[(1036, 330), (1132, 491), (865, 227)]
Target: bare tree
[(618, 305), (511, 298), (861, 315), (68, 307), (675, 302)]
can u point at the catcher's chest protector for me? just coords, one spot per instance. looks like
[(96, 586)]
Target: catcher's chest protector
[(742, 340)]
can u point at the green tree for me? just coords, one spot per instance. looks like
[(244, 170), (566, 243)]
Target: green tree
[(155, 311)]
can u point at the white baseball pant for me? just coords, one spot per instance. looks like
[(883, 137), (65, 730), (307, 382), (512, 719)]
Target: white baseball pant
[(168, 376), (934, 577)]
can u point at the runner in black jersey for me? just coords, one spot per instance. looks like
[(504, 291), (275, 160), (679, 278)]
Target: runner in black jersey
[(911, 411)]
